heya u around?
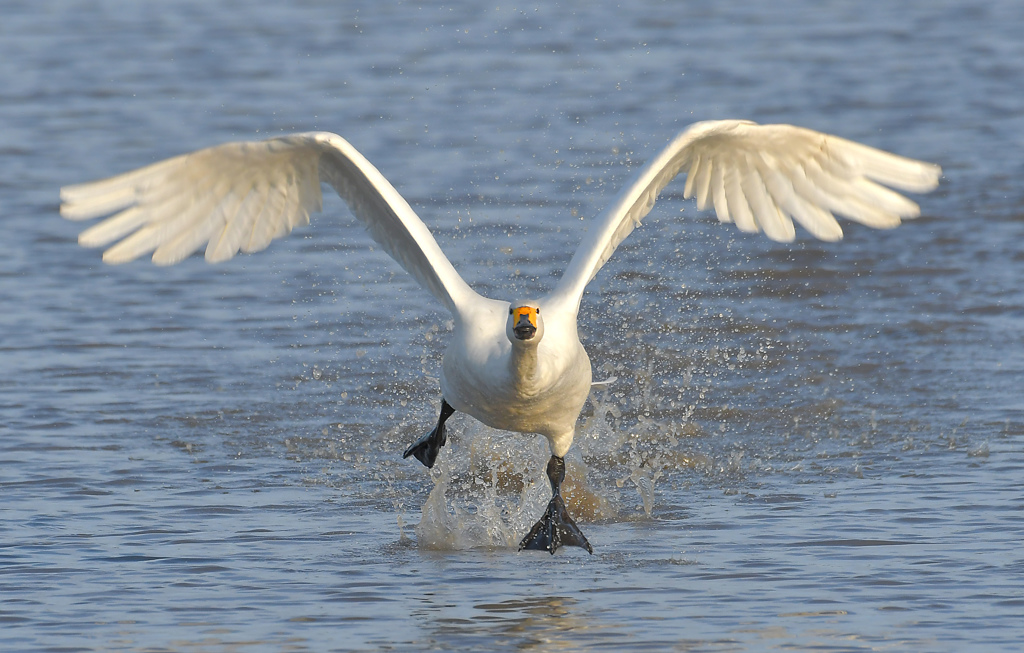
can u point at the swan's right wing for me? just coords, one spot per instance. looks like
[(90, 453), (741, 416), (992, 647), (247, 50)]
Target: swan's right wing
[(241, 196), (762, 177)]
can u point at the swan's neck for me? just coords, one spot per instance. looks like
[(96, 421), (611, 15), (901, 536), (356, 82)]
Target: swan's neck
[(525, 368)]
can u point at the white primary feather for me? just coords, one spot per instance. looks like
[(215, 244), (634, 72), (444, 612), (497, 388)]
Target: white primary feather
[(761, 177), (240, 196)]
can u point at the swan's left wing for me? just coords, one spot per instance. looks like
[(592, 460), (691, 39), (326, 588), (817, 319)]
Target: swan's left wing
[(761, 177), (241, 196)]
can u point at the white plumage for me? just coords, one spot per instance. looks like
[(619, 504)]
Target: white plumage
[(240, 196)]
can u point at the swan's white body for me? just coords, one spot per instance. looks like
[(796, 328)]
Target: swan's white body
[(240, 196), (537, 386)]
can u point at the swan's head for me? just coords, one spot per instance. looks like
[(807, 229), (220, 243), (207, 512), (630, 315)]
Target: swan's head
[(524, 323)]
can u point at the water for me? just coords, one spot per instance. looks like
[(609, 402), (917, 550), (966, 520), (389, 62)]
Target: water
[(816, 446)]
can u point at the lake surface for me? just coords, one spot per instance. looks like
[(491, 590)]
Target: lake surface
[(808, 446)]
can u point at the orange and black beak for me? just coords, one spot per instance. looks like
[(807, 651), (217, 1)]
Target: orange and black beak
[(524, 322)]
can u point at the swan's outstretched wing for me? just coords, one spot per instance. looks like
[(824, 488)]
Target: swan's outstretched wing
[(240, 196), (761, 177)]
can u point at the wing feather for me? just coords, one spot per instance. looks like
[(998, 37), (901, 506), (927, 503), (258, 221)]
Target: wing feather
[(237, 227), (93, 199), (703, 183), (771, 221), (691, 176), (718, 194), (741, 212)]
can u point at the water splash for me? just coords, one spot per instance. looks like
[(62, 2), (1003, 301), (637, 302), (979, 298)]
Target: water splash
[(490, 487), (486, 484)]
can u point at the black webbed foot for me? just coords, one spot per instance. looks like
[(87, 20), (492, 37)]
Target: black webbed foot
[(427, 447), (556, 528)]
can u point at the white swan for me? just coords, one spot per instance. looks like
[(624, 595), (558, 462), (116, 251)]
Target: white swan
[(516, 366)]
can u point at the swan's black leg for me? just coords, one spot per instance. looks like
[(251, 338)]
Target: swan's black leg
[(425, 449), (556, 528)]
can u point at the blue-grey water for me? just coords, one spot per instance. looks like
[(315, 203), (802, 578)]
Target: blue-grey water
[(807, 447)]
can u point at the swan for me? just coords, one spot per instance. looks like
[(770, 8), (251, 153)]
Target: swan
[(514, 365)]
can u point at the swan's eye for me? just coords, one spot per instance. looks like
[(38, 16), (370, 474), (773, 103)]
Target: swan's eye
[(538, 311), (510, 310)]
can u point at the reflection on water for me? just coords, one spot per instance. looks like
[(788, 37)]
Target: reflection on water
[(538, 623), (807, 446)]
